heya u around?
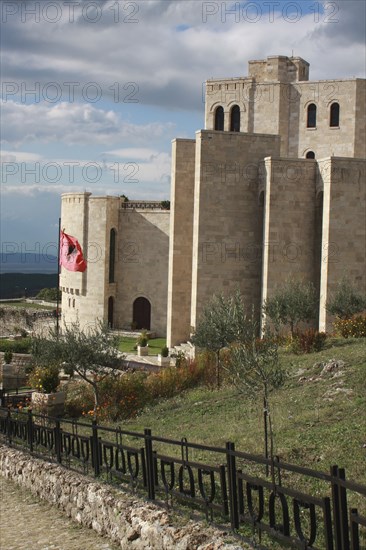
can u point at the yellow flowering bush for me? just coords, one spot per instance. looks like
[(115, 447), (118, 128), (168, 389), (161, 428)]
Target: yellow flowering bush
[(355, 327), (44, 379)]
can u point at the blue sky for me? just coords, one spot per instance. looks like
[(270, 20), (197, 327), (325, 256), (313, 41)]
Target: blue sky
[(94, 92)]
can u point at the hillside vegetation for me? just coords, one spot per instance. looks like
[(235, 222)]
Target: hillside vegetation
[(318, 416)]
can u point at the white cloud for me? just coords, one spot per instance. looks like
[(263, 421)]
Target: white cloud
[(72, 123)]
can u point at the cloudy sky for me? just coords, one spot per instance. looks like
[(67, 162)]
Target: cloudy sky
[(94, 92)]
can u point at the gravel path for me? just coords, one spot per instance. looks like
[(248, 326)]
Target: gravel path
[(26, 523)]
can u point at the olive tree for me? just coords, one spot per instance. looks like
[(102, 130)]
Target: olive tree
[(291, 303), (255, 370), (222, 322), (91, 353), (346, 300)]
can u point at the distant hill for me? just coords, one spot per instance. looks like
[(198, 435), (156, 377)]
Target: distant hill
[(18, 285), (27, 263)]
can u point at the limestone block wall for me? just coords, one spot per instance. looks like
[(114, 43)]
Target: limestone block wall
[(180, 245), (344, 228), (74, 221), (324, 140), (143, 251), (227, 215), (360, 122), (274, 99), (89, 219), (289, 223)]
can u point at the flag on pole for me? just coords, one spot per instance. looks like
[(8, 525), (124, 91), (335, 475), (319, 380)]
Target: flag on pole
[(71, 255)]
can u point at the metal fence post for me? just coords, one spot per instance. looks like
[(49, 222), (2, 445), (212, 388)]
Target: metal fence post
[(233, 488), (340, 512), (58, 442), (343, 509), (95, 449), (149, 464), (8, 426), (30, 430)]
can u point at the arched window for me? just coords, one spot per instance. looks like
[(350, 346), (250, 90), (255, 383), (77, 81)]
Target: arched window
[(110, 311), (310, 155), (112, 254), (142, 313), (334, 115), (219, 119), (311, 119), (235, 119)]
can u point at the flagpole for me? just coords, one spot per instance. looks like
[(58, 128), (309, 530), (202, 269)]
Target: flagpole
[(58, 277)]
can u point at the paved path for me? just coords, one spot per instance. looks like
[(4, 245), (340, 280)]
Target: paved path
[(26, 523)]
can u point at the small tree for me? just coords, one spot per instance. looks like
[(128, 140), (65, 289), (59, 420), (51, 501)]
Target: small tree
[(92, 354), (293, 302), (346, 301), (49, 294), (255, 370), (222, 322)]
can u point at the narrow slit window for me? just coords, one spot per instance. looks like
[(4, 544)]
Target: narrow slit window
[(112, 254)]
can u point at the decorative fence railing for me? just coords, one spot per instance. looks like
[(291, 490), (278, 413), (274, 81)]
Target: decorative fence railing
[(297, 507), (142, 205)]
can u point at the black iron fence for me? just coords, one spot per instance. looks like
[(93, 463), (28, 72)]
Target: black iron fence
[(293, 507)]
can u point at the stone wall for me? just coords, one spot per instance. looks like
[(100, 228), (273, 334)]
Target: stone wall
[(143, 250), (140, 265), (125, 519), (343, 252), (289, 223), (13, 376), (180, 245), (15, 319), (227, 227)]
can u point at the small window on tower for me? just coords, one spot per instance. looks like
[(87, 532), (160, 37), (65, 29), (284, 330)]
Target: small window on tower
[(310, 155), (235, 119), (311, 119), (334, 115), (219, 119)]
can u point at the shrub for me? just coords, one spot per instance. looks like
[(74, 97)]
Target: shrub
[(45, 379), (164, 351), (8, 356), (79, 399), (142, 339), (291, 303), (346, 301), (123, 396), (351, 328), (308, 341), (16, 346)]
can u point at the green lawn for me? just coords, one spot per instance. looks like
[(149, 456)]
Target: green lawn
[(127, 344)]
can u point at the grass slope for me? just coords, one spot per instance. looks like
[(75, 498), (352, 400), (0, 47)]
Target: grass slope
[(319, 418)]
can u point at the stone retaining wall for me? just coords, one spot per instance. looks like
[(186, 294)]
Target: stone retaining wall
[(125, 519)]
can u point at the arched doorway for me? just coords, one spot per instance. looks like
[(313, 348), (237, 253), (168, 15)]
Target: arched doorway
[(142, 313), (110, 312)]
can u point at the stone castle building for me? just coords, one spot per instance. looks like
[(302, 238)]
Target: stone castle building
[(274, 187)]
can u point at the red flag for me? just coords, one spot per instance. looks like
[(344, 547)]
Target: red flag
[(71, 255)]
